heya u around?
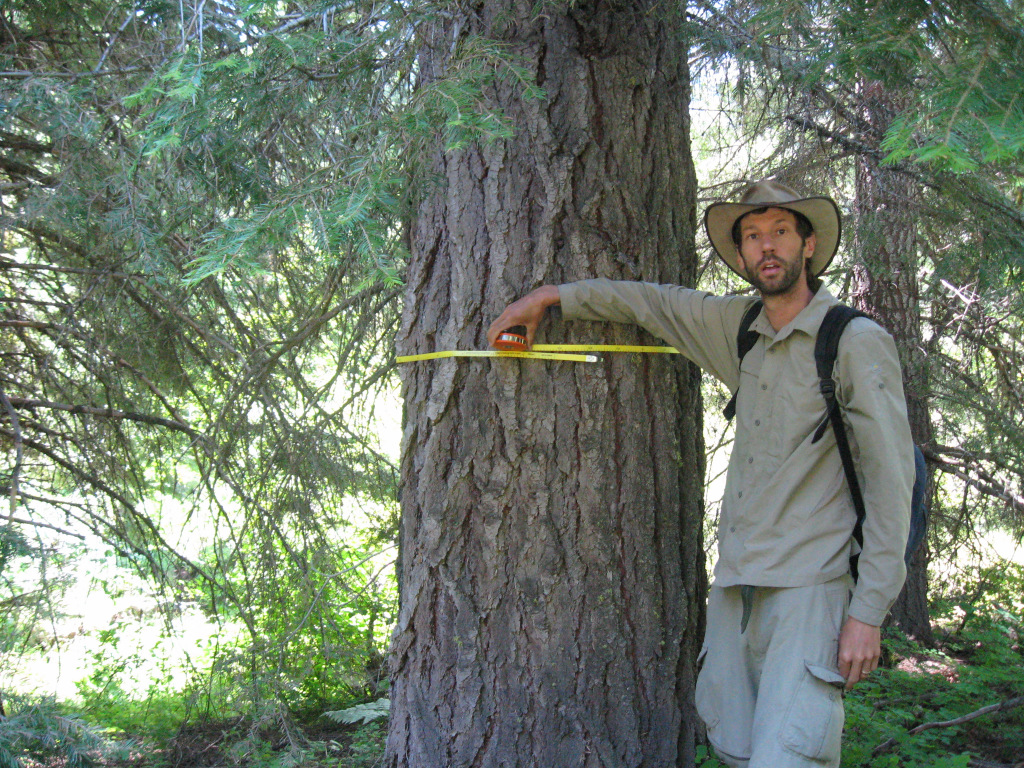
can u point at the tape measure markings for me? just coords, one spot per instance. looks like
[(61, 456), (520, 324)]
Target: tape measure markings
[(573, 358), (604, 348), (577, 353)]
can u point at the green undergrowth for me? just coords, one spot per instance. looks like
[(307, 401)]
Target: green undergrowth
[(38, 731), (271, 743), (978, 664)]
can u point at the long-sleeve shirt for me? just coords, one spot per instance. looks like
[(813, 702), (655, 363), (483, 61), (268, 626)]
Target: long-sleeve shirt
[(787, 516)]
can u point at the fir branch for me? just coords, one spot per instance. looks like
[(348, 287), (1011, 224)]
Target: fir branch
[(28, 74), (961, 470), (106, 413)]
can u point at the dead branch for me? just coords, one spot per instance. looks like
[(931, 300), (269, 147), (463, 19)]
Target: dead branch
[(1002, 706), (985, 483)]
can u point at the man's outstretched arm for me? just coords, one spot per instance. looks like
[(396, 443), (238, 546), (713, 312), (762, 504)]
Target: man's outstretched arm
[(527, 311)]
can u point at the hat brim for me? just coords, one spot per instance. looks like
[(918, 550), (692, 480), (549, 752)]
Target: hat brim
[(822, 212)]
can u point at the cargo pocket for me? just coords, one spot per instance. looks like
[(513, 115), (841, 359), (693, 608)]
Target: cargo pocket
[(705, 695), (814, 723)]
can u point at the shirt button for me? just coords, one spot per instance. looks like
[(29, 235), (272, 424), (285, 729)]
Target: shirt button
[(740, 494), (732, 529), (750, 460), (757, 422), (764, 386)]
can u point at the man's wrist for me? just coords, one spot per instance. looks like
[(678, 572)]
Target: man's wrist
[(548, 295)]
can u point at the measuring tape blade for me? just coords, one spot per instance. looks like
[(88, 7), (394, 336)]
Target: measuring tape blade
[(539, 355), (604, 348)]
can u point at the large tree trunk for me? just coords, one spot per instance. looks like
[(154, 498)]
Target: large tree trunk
[(885, 286), (552, 571)]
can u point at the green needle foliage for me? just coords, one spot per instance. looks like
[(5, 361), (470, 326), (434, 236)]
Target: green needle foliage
[(204, 220), (40, 731), (955, 61)]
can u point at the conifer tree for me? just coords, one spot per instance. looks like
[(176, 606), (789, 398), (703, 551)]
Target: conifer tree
[(552, 577)]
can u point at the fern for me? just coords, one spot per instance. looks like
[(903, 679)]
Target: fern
[(364, 713)]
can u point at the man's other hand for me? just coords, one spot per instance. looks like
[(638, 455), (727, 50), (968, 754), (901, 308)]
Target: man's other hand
[(860, 646), (528, 311)]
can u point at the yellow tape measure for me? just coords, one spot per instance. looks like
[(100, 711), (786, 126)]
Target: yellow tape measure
[(577, 353), (604, 348)]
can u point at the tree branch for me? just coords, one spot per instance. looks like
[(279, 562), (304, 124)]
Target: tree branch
[(16, 142), (108, 413), (19, 170), (987, 484), (18, 451), (1002, 706), (38, 524), (26, 74)]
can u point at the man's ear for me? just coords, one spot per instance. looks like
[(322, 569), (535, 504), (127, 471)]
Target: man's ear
[(809, 245)]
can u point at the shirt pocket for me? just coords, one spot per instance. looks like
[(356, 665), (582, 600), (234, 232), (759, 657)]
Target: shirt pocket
[(802, 409)]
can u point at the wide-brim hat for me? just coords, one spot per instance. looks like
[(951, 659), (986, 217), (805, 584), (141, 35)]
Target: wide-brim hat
[(821, 211)]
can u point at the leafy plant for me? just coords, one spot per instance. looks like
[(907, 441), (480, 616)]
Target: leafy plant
[(706, 758), (364, 713), (367, 746), (939, 707)]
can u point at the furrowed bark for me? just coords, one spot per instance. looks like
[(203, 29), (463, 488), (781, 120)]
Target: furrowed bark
[(552, 574), (885, 286)]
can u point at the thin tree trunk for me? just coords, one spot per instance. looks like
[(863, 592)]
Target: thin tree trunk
[(885, 286), (552, 571)]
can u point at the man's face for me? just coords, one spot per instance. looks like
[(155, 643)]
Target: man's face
[(772, 253)]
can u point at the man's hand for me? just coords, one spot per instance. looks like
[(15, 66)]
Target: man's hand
[(528, 311), (860, 645)]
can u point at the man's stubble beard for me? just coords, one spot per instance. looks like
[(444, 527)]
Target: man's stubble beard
[(791, 273)]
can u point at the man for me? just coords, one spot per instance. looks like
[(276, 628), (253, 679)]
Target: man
[(787, 627)]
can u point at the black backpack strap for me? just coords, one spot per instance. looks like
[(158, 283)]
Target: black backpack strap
[(826, 349), (745, 341)]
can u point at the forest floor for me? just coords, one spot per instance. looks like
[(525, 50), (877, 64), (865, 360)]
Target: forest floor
[(213, 745), (957, 705), (934, 687)]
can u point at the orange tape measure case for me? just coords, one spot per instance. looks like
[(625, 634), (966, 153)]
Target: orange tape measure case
[(512, 339)]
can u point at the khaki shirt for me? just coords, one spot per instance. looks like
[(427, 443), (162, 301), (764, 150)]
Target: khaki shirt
[(787, 516)]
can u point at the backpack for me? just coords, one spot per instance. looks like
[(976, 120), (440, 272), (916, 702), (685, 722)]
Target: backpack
[(826, 349)]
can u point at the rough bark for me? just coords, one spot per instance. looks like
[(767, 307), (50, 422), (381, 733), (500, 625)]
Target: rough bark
[(552, 573), (885, 286)]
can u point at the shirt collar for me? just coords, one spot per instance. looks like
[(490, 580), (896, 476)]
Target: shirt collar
[(809, 319)]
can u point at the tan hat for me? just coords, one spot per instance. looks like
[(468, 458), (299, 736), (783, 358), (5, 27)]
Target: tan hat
[(822, 212)]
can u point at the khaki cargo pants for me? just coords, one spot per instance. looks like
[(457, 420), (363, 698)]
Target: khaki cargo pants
[(772, 696)]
